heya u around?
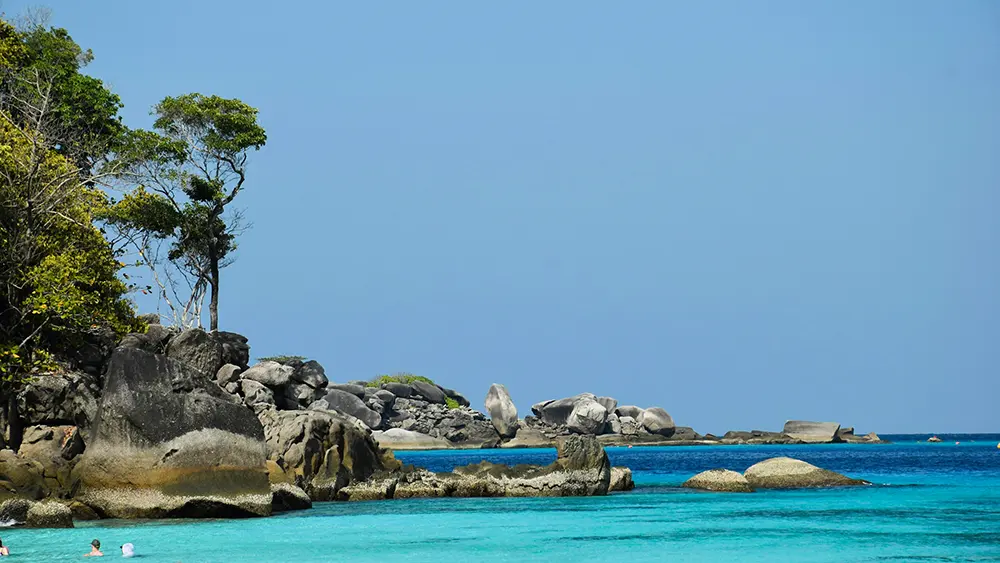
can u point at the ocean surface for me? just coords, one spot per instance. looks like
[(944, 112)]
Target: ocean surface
[(932, 502)]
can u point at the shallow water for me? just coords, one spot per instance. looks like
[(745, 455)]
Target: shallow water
[(933, 502)]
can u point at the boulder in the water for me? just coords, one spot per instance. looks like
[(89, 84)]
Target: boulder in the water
[(503, 413), (719, 480), (788, 473)]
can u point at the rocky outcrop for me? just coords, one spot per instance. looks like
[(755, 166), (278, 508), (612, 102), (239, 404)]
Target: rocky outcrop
[(168, 442), (60, 399), (14, 511), (320, 451), (581, 469), (656, 421), (399, 439), (286, 497), (21, 477), (788, 473), (503, 413), (461, 426), (49, 514), (344, 402), (587, 417), (719, 480), (812, 432), (54, 448), (621, 480), (529, 438), (557, 412)]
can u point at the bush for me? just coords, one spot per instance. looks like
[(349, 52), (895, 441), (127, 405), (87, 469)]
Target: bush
[(452, 403), (402, 377)]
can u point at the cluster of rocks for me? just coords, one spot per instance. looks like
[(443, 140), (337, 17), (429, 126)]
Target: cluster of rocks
[(774, 473), (178, 424), (581, 469), (798, 432)]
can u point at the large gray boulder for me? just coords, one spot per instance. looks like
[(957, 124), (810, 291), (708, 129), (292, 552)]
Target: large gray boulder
[(503, 413), (356, 390), (587, 417), (788, 473), (399, 389), (311, 373), (630, 411), (320, 451), (344, 402), (812, 432), (608, 403), (557, 412), (21, 477), (270, 373), (399, 439), (719, 480), (198, 349), (621, 480), (235, 349), (429, 391), (59, 399), (656, 421), (255, 393), (168, 442)]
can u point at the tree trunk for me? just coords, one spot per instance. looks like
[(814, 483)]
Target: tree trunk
[(213, 304), (14, 423)]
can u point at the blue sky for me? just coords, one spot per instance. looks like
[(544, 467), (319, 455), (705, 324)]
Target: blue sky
[(742, 213)]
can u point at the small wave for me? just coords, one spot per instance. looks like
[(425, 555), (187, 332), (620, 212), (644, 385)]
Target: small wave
[(7, 523)]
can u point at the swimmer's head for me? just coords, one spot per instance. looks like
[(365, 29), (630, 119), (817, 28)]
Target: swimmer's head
[(96, 544)]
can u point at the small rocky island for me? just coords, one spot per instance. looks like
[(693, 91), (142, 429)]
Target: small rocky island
[(171, 423)]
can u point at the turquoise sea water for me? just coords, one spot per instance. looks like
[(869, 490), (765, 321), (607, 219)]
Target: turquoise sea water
[(933, 502)]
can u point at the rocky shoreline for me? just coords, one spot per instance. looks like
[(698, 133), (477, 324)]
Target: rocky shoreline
[(171, 423)]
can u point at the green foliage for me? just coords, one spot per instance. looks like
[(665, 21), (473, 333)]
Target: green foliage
[(195, 163), (282, 359), (451, 403), (59, 278), (85, 109), (401, 377)]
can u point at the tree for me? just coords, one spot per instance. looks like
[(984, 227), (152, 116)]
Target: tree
[(58, 274), (186, 174)]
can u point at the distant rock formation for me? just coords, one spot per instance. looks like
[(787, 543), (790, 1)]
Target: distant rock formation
[(503, 413), (812, 432), (773, 473)]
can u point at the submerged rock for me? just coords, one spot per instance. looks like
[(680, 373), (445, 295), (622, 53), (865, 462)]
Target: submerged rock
[(719, 480), (49, 514), (788, 473)]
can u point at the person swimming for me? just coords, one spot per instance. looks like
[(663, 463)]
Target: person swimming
[(95, 549), (128, 550), (4, 552)]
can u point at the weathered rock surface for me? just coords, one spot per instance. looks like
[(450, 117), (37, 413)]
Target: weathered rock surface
[(21, 477), (320, 451), (310, 373), (581, 469), (529, 438), (356, 390), (587, 417), (630, 411), (430, 392), (229, 373), (719, 480), (60, 399), (168, 442), (788, 473), (198, 349), (49, 514), (621, 479), (344, 402), (286, 497), (255, 393), (271, 374), (54, 448), (556, 412), (399, 439), (503, 413), (656, 421), (812, 432), (461, 426), (14, 510)]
